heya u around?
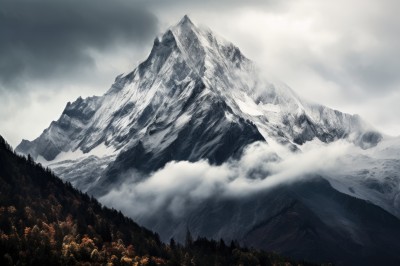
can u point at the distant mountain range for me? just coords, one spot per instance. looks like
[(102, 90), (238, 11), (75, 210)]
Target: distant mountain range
[(198, 98)]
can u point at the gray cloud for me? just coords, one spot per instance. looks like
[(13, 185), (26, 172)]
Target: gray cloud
[(51, 39), (210, 4), (51, 52), (339, 53), (366, 49)]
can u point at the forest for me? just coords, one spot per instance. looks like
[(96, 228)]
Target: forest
[(45, 221)]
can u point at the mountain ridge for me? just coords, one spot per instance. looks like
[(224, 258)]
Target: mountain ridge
[(220, 74), (197, 98)]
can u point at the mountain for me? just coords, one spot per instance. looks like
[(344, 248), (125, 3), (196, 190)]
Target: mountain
[(197, 100), (45, 221), (195, 97)]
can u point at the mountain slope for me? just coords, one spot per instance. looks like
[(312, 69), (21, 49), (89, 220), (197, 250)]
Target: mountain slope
[(373, 175), (331, 226), (304, 220), (44, 221)]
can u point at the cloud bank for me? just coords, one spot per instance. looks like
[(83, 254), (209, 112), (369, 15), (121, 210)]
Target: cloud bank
[(183, 185)]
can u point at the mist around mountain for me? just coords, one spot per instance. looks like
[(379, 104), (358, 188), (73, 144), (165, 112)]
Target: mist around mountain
[(296, 203), (197, 135)]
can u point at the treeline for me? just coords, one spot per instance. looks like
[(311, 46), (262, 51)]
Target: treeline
[(44, 221)]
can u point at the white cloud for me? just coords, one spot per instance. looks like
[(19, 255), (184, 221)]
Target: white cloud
[(183, 185)]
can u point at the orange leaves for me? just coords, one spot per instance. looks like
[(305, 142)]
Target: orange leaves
[(27, 231), (130, 251), (49, 232), (159, 261), (86, 246), (126, 261)]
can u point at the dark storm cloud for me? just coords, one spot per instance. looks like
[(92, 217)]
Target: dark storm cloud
[(47, 38), (207, 4), (341, 53)]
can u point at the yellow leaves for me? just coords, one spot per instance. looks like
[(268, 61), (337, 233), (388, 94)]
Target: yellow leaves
[(71, 249), (68, 239), (117, 248), (65, 250), (144, 261), (95, 255), (130, 251), (126, 261), (87, 245)]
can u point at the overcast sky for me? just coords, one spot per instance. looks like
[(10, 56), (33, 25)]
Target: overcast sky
[(343, 54)]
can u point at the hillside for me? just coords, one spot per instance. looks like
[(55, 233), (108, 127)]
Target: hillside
[(44, 221)]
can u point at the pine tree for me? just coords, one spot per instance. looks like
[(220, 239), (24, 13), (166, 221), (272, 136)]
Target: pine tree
[(188, 239)]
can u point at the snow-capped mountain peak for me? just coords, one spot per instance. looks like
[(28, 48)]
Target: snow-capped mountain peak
[(195, 97), (198, 106)]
